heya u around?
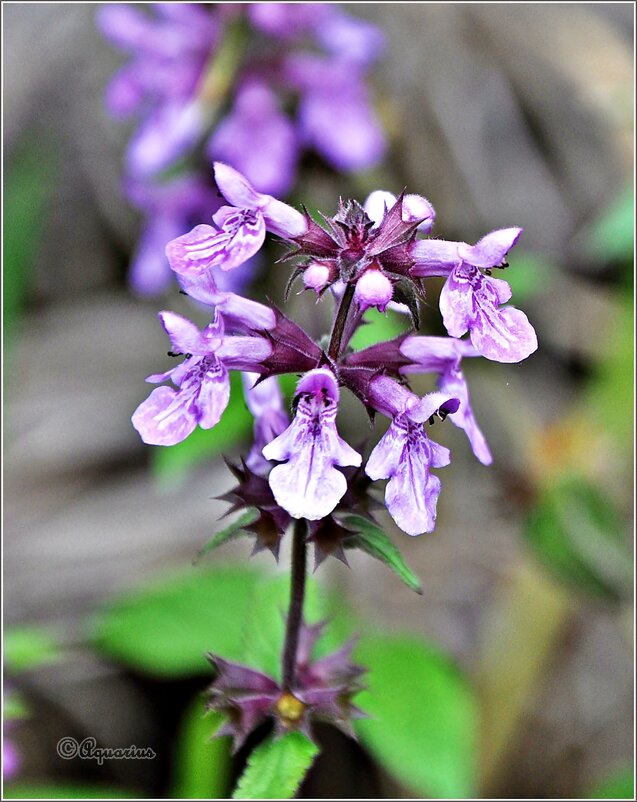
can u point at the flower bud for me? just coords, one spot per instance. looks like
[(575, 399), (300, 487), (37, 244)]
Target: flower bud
[(316, 276), (415, 207), (373, 288)]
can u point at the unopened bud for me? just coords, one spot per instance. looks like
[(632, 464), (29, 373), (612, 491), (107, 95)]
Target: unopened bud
[(415, 207), (316, 276), (373, 288)]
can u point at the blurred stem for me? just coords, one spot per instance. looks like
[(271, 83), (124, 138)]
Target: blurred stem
[(526, 623), (220, 72), (297, 595), (336, 339)]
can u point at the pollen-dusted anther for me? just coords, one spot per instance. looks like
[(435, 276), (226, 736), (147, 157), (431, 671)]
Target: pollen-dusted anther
[(289, 710)]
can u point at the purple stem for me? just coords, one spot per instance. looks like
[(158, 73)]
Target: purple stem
[(295, 613)]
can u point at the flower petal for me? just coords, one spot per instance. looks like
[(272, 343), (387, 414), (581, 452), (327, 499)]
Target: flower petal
[(457, 300), (434, 257), (165, 417), (185, 337), (492, 249), (504, 335)]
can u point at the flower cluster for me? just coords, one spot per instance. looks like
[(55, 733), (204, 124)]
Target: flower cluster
[(253, 85), (369, 255)]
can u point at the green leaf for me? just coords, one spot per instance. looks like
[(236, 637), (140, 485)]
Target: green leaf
[(28, 188), (276, 768), (423, 718), (612, 237), (373, 541), (378, 327), (235, 529), (34, 790), (166, 628), (576, 532), (621, 785), (202, 764), (29, 647), (14, 707), (611, 391), (173, 463)]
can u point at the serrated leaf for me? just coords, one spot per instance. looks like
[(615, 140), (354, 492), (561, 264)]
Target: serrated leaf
[(165, 628), (577, 534), (29, 647), (422, 725), (373, 541), (202, 762), (276, 768), (235, 529)]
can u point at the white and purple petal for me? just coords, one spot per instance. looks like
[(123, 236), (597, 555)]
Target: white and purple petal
[(492, 249)]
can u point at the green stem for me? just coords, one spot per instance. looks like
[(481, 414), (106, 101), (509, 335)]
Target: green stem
[(336, 339)]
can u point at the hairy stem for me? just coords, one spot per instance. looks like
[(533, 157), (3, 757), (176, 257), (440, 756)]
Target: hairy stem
[(336, 340), (295, 613)]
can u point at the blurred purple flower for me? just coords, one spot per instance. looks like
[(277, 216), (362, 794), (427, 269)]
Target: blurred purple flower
[(265, 402)]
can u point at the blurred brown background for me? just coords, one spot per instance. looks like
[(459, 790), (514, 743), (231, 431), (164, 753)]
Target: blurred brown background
[(501, 114)]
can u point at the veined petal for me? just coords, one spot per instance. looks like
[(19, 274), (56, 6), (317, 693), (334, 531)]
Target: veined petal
[(236, 188), (504, 335), (457, 300), (185, 337), (492, 249), (165, 418), (212, 396), (452, 381)]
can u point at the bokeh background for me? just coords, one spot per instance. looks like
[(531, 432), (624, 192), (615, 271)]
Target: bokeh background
[(500, 114)]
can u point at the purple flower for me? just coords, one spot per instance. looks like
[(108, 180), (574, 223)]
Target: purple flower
[(170, 51), (308, 484), (240, 231), (322, 690), (443, 356), (470, 300), (168, 416), (258, 140), (335, 115), (169, 208), (405, 454), (265, 402)]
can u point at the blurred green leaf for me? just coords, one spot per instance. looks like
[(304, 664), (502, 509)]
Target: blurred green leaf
[(423, 718), (373, 541), (202, 762), (172, 463), (235, 529), (276, 768), (166, 628), (35, 790), (528, 275), (14, 707), (611, 391), (577, 533), (612, 238), (378, 327), (28, 188), (264, 629), (621, 785), (29, 647)]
